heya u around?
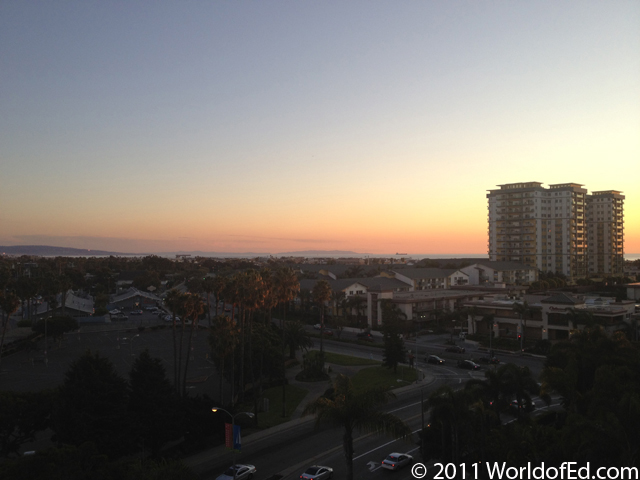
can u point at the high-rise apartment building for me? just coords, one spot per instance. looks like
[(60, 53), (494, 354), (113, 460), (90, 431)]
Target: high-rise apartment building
[(605, 218), (540, 227)]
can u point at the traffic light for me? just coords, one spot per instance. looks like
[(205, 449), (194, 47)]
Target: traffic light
[(519, 336)]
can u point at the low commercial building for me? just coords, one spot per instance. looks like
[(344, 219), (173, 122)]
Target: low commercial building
[(549, 317)]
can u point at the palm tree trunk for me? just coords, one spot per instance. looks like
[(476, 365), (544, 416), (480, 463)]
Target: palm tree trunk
[(186, 363), (175, 357), (284, 367), (222, 380), (180, 355), (347, 444)]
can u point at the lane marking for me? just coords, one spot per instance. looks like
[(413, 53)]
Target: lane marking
[(384, 445)]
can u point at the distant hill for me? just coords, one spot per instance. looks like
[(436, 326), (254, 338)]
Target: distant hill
[(321, 252), (48, 251)]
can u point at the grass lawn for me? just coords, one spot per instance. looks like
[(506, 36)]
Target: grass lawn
[(274, 416), (383, 377), (339, 359)]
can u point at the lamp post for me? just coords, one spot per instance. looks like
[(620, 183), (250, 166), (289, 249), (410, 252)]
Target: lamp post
[(233, 425)]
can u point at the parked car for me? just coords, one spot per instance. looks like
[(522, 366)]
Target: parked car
[(366, 336), (489, 360), (136, 312), (469, 365), (396, 460), (328, 332), (317, 472), (527, 406), (169, 318), (462, 335), (242, 472), (317, 326), (455, 349), (434, 359)]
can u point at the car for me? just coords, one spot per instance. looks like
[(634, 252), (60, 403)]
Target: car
[(366, 336), (462, 335), (395, 460), (328, 332), (469, 365), (136, 312), (242, 472), (228, 309), (317, 472), (489, 360), (149, 308), (527, 406), (455, 349), (317, 326), (434, 359), (115, 312), (120, 316), (169, 318)]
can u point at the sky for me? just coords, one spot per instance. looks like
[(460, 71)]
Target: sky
[(368, 126)]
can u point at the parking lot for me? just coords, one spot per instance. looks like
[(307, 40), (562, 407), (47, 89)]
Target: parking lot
[(119, 341)]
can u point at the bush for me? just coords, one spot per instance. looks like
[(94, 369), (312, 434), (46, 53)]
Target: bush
[(23, 324)]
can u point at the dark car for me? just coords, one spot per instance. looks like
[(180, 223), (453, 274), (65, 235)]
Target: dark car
[(434, 359), (366, 336), (489, 360), (455, 349), (327, 332), (526, 406), (468, 365)]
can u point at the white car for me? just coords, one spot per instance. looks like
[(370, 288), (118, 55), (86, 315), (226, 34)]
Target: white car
[(396, 460), (242, 472), (169, 318), (317, 472)]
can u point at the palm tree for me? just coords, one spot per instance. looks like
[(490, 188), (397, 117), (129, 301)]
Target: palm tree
[(223, 340), (219, 285), (286, 289), (355, 411), (524, 311), (9, 304), (193, 307), (451, 412), (175, 302), (208, 289), (296, 338), (322, 294)]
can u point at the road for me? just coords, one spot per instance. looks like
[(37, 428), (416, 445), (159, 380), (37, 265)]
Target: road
[(288, 453)]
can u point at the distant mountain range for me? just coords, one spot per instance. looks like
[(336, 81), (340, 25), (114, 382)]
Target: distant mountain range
[(50, 251)]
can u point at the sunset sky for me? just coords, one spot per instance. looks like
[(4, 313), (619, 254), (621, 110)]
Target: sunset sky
[(369, 126)]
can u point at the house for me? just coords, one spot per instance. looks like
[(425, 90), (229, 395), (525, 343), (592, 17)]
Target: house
[(429, 278), (510, 273)]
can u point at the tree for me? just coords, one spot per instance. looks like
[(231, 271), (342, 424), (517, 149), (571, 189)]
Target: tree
[(321, 294), (296, 338), (175, 302), (223, 340), (93, 407), (56, 327), (22, 416), (394, 349), (193, 308), (286, 288), (154, 404), (9, 304), (352, 411)]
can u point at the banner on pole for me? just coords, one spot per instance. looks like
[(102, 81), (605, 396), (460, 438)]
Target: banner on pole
[(237, 441), (227, 435)]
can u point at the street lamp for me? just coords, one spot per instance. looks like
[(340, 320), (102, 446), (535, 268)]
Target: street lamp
[(233, 425)]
